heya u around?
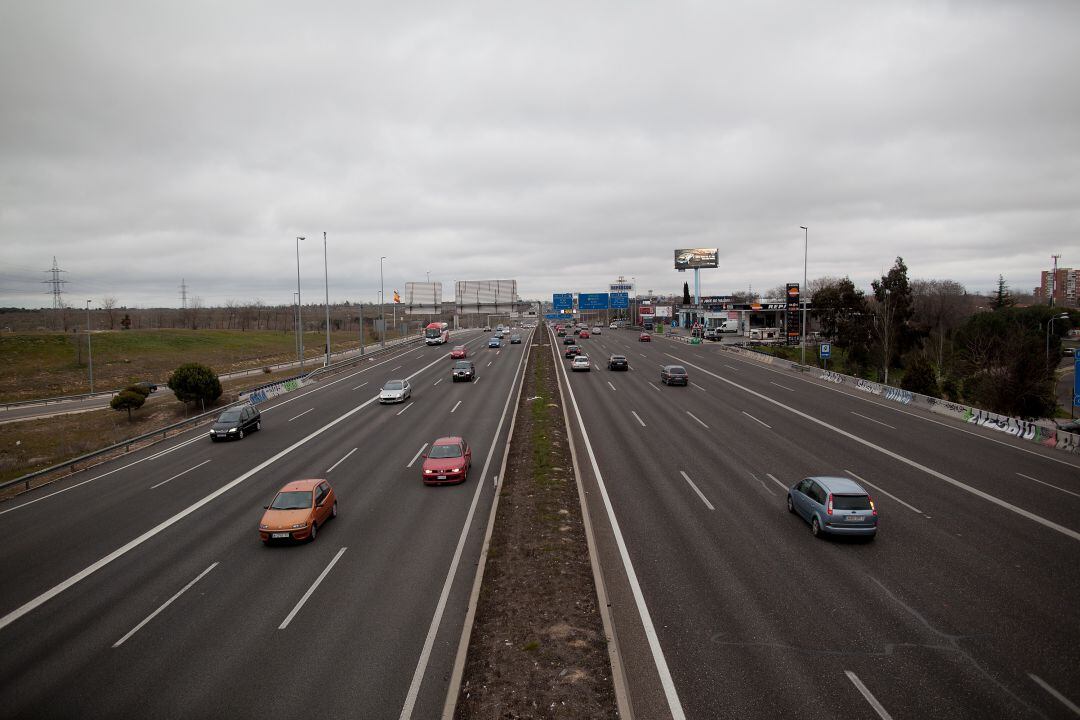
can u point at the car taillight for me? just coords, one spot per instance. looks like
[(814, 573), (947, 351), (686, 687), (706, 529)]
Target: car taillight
[(828, 508), (872, 506)]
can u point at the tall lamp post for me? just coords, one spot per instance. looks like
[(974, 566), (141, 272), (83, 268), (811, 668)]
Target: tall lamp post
[(888, 335), (89, 349), (299, 306), (296, 323), (326, 281), (806, 246), (1049, 325), (382, 305)]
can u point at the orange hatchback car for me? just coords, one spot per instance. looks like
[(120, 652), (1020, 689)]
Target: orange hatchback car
[(298, 510)]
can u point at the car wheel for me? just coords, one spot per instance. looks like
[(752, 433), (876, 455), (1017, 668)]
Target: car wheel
[(815, 527), (314, 531), (240, 435), (790, 505), (333, 510), (258, 424)]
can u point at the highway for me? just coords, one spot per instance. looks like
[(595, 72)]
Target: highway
[(140, 589), (965, 606)]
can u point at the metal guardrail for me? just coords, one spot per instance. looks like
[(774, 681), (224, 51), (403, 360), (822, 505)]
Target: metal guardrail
[(58, 399)]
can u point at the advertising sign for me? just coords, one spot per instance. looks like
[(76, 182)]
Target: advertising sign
[(620, 300), (792, 315), (663, 311), (697, 258), (624, 287), (421, 298), (562, 301), (592, 301), (485, 297)]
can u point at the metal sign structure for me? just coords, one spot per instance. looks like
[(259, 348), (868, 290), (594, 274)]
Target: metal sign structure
[(485, 297), (422, 298), (697, 258), (791, 317), (562, 301), (593, 301), (619, 300), (825, 349)]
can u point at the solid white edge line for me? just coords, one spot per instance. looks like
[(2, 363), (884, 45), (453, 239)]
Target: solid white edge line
[(1058, 696), (44, 497), (638, 418), (699, 493), (698, 419), (436, 620), (301, 414), (288, 618), (869, 696), (165, 524), (422, 448), (164, 605), (1070, 492), (865, 417), (885, 492), (403, 409), (196, 467), (666, 681), (755, 419), (900, 458), (331, 468), (772, 477)]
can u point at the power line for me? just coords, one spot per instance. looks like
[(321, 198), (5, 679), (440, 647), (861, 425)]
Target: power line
[(57, 284), (183, 294)]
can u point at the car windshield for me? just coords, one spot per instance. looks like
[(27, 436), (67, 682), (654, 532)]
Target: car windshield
[(230, 416), (459, 348), (292, 500), (851, 502), (445, 451), (393, 385)]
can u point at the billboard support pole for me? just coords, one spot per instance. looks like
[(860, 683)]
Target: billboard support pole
[(697, 286)]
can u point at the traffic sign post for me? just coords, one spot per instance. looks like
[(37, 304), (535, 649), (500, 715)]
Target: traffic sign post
[(562, 301), (825, 351)]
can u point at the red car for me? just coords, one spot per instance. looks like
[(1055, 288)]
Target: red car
[(298, 510), (644, 337), (447, 462), (571, 351), (459, 352), (583, 335)]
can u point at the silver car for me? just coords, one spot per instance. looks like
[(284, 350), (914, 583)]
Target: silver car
[(581, 362), (834, 505), (395, 391)]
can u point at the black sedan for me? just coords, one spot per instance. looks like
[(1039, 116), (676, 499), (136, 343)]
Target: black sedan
[(235, 421), (674, 375), (618, 362), (568, 341)]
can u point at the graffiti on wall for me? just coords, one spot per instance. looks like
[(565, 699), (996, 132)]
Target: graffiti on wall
[(897, 395), (867, 386), (832, 377), (272, 391)]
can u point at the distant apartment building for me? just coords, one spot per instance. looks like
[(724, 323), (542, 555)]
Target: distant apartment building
[(1066, 287)]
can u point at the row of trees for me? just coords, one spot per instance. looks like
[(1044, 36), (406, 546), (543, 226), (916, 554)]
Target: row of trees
[(944, 342), (191, 382)]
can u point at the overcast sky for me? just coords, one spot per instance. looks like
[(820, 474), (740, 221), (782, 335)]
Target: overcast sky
[(560, 144)]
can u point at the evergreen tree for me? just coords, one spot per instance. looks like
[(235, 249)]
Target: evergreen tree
[(1003, 298)]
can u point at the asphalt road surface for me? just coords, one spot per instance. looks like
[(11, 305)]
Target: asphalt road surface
[(140, 588), (967, 604)]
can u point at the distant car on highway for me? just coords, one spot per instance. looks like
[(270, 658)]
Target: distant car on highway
[(572, 350), (298, 510), (644, 337), (494, 342), (597, 330), (561, 333), (395, 391), (674, 375), (149, 385), (613, 326), (447, 462), (515, 339), (234, 422), (834, 505), (463, 370), (459, 352), (568, 341), (580, 362), (583, 335), (618, 362)]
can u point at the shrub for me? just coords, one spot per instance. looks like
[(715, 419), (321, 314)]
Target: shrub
[(127, 400), (193, 381), (919, 376)]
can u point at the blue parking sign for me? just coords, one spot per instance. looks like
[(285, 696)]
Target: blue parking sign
[(825, 349)]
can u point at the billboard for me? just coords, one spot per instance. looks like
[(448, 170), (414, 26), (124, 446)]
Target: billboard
[(792, 319), (620, 300), (697, 258), (485, 297), (663, 311), (422, 298), (592, 301), (623, 287), (562, 301)]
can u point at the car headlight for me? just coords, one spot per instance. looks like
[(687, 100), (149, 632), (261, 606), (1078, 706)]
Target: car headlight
[(455, 469), (297, 526), (232, 429)]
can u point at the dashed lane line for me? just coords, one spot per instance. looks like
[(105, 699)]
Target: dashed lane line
[(331, 468)]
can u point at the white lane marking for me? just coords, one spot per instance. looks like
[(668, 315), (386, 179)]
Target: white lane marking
[(310, 590), (331, 469), (655, 387), (395, 368), (438, 381), (496, 352), (1058, 696), (419, 357), (71, 487), (642, 354), (699, 387), (755, 419), (907, 461), (698, 420), (699, 493), (476, 379), (489, 363), (610, 385), (179, 474), (455, 406), (731, 367), (666, 681), (785, 387), (1070, 492), (360, 385), (864, 417), (773, 478), (760, 482), (165, 524), (422, 448), (638, 418), (886, 493), (164, 605), (878, 707), (403, 409), (436, 620), (301, 414)]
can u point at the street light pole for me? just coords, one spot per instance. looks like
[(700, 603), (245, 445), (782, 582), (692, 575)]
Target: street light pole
[(382, 305), (1049, 325), (299, 305), (326, 281), (888, 335), (89, 349), (806, 246), (296, 324)]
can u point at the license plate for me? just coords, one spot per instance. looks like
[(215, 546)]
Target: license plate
[(279, 535), (853, 518), (441, 477)]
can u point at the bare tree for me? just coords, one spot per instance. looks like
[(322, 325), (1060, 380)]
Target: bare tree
[(940, 306), (109, 304)]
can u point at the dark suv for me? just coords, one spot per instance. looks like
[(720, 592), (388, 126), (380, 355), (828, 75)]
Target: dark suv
[(235, 421), (464, 370), (618, 362)]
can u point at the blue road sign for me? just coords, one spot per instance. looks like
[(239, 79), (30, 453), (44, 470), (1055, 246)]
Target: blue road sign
[(825, 349), (562, 301), (552, 316), (620, 300), (592, 301)]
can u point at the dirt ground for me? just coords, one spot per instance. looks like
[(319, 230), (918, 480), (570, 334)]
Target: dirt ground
[(538, 648)]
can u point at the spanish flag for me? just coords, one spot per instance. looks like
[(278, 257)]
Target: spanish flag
[(397, 298)]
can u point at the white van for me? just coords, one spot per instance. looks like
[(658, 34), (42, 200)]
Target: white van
[(729, 326)]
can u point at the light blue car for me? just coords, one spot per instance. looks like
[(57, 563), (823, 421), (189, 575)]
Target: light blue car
[(494, 342), (834, 505)]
